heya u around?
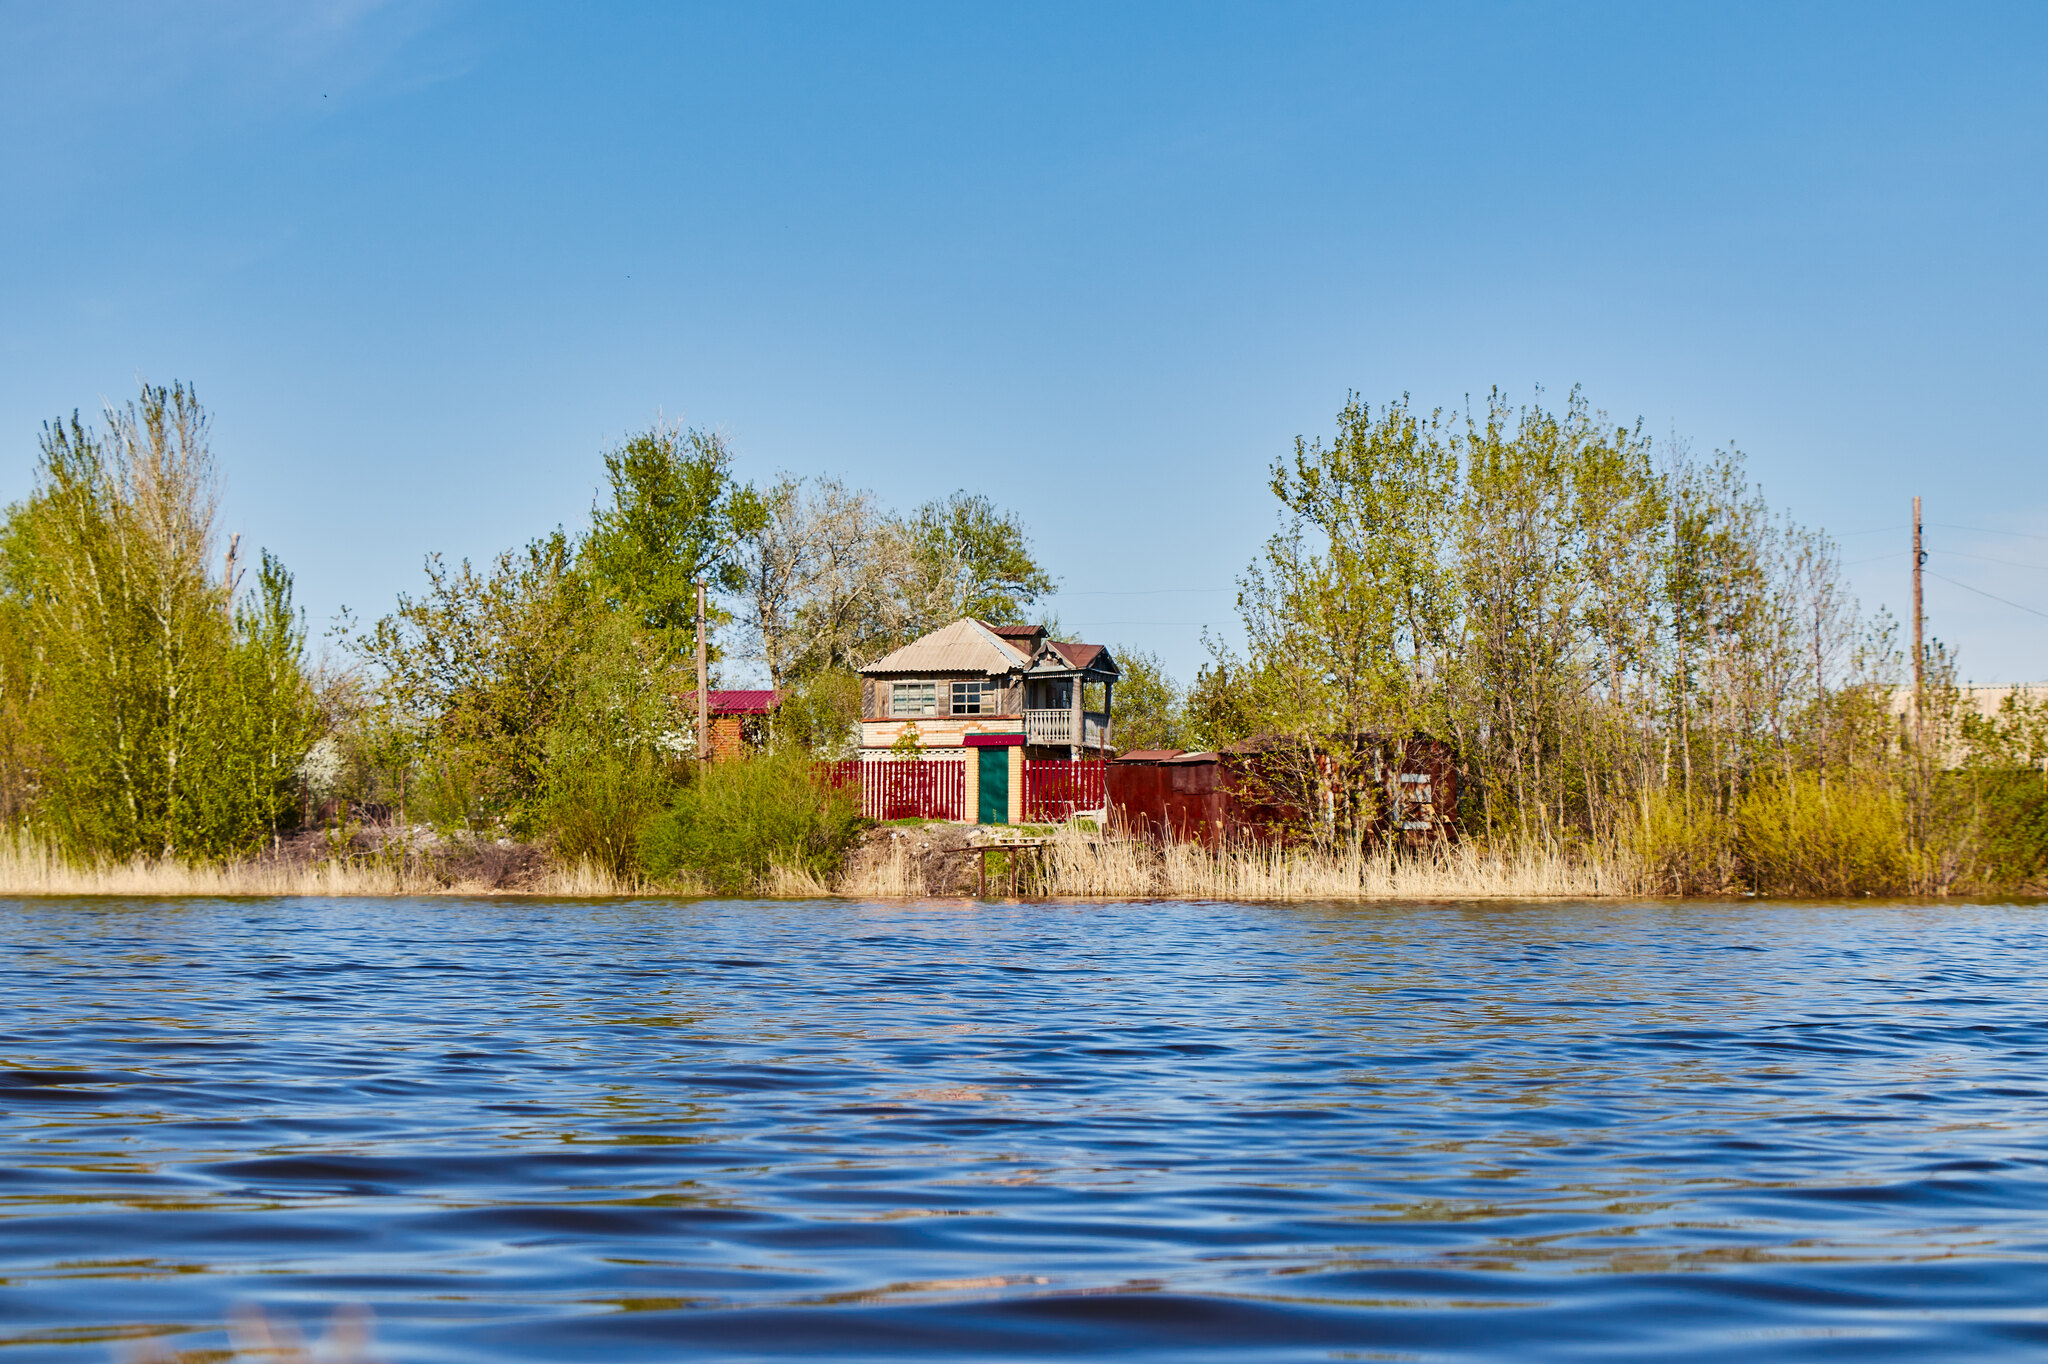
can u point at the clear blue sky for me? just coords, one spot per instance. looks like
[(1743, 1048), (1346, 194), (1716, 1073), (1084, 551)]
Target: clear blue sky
[(1102, 262)]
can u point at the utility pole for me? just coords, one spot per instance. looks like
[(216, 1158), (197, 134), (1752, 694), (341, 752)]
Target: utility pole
[(703, 681), (1919, 653)]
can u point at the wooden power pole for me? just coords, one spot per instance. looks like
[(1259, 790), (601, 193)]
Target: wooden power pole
[(703, 670), (1919, 653)]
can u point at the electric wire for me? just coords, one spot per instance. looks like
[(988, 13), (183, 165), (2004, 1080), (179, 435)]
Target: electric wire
[(1982, 593)]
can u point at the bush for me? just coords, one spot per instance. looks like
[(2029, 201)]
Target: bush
[(737, 820), (2013, 842), (1799, 836), (1686, 847)]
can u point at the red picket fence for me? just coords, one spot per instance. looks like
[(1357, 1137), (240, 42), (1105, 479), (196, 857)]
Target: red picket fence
[(1054, 790), (905, 789)]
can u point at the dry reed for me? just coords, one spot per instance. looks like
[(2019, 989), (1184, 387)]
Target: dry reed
[(29, 867), (1084, 864), (890, 873), (1078, 863)]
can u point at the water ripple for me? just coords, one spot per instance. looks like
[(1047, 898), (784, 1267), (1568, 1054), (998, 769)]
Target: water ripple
[(720, 1130)]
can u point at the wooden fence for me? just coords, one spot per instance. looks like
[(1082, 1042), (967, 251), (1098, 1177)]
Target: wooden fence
[(1054, 790), (905, 789)]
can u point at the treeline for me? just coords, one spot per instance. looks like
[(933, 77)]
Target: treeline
[(1629, 652), (147, 706), (1626, 647), (154, 703)]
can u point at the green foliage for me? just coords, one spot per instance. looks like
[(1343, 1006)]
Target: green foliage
[(148, 712), (966, 558), (738, 820), (2013, 849), (1803, 836), (820, 715), (1686, 846), (476, 670), (676, 516), (613, 746), (1225, 705), (1148, 703)]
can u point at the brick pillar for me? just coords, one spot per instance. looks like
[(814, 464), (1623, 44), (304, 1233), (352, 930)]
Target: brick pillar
[(1016, 752)]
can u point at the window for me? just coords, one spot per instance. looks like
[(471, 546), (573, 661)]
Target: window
[(914, 698), (1414, 809), (967, 697)]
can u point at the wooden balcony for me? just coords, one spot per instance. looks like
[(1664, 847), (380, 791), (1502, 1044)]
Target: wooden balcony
[(1055, 728)]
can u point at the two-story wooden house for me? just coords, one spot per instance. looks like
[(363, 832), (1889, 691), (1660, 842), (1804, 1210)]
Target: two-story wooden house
[(970, 685)]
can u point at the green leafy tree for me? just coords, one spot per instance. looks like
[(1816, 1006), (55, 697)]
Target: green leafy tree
[(1148, 703), (477, 667), (155, 715), (965, 557), (676, 516)]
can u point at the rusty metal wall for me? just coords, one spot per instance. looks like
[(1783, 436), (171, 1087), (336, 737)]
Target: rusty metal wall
[(1197, 796)]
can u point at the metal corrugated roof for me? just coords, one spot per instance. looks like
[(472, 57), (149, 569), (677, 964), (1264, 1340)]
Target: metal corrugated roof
[(965, 646)]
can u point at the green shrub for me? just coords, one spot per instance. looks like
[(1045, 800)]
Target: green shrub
[(1686, 847), (609, 757), (737, 820), (2012, 850), (1800, 836)]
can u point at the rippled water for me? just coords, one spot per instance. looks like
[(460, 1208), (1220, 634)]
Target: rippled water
[(677, 1130)]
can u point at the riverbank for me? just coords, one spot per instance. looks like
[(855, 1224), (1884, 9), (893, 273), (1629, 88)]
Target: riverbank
[(888, 863)]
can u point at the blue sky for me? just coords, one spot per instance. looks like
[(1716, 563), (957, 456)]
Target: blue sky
[(1101, 262)]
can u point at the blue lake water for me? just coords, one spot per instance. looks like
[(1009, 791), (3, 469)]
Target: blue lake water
[(763, 1131)]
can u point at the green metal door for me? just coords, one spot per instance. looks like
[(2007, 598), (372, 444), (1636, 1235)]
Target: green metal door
[(995, 786)]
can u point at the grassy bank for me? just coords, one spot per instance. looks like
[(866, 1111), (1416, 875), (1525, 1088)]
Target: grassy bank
[(30, 867), (1084, 864), (1079, 864)]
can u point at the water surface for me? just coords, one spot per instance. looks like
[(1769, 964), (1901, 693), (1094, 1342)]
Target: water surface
[(729, 1130)]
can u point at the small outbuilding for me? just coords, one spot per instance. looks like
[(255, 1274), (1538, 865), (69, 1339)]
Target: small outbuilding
[(739, 719)]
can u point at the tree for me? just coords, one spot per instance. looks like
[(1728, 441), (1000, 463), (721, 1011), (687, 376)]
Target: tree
[(676, 516), (964, 557), (820, 570), (157, 716), (1148, 703), (476, 669)]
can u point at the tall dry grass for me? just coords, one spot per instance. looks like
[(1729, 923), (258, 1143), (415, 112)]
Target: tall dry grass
[(1078, 863), (1085, 864), (30, 867), (891, 872)]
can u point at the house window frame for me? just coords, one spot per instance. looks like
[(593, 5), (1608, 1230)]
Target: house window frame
[(977, 688), (913, 700)]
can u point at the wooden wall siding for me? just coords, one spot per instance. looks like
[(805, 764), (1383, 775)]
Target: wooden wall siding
[(1006, 695)]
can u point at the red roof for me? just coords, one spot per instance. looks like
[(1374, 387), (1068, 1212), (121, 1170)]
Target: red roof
[(1077, 655), (739, 701), (1017, 631)]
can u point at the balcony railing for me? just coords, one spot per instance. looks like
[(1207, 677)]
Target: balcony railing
[(1056, 727)]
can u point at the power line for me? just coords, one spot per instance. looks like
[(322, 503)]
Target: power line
[(1138, 591), (1982, 558), (1875, 557), (1982, 593), (1986, 530)]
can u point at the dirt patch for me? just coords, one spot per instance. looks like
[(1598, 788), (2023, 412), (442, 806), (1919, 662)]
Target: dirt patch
[(463, 860), (920, 859)]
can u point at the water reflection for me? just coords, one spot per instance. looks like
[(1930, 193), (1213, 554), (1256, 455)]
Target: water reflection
[(597, 1131)]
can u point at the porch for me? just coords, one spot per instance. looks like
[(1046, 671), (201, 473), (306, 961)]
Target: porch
[(1056, 728)]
